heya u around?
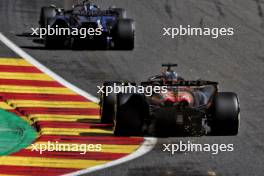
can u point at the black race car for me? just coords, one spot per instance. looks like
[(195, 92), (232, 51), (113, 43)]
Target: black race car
[(108, 29), (186, 108)]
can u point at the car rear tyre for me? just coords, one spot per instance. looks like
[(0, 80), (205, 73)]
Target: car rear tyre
[(45, 14), (225, 121), (128, 119), (107, 104), (56, 41), (124, 34)]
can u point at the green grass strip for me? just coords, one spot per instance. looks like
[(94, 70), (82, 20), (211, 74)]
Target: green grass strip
[(15, 133)]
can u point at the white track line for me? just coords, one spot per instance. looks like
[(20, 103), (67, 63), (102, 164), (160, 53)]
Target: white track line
[(44, 69), (147, 145)]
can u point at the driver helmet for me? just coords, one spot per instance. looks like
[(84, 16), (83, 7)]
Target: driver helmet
[(170, 76), (90, 6)]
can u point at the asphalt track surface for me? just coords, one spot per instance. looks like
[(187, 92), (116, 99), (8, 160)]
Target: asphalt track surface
[(237, 62)]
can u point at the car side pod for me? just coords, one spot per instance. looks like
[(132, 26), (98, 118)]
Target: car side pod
[(226, 111)]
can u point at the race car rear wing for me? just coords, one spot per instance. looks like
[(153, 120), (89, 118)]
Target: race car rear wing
[(94, 13), (180, 83)]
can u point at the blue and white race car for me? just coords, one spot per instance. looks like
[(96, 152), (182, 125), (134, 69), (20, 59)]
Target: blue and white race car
[(86, 25)]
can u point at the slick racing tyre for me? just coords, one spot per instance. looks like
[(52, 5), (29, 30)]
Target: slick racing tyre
[(45, 14), (124, 34), (128, 120), (52, 42), (107, 104), (225, 121), (56, 41)]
